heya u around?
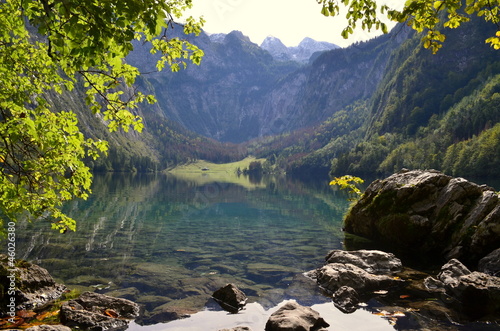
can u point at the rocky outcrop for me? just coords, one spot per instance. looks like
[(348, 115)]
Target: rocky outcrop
[(372, 261), (293, 316), (455, 293), (32, 286), (93, 311), (230, 298), (440, 215), (333, 276), (474, 294), (490, 264), (350, 275)]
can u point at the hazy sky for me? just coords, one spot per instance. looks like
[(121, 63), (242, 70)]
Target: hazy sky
[(289, 20)]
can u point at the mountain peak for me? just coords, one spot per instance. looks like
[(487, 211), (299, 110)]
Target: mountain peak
[(238, 35), (307, 40), (301, 53)]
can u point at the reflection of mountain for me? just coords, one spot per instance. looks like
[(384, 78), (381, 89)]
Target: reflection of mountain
[(159, 238)]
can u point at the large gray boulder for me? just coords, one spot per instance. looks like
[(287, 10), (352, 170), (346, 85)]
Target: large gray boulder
[(333, 276), (294, 317), (97, 312), (428, 212)]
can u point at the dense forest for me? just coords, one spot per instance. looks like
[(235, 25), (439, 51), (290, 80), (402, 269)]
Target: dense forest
[(372, 108), (429, 111)]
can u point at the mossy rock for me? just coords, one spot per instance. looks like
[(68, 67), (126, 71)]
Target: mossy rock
[(426, 212)]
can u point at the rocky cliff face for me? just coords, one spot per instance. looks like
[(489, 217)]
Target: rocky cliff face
[(240, 92), (223, 97)]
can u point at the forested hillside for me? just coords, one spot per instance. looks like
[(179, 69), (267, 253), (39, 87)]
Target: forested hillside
[(429, 111), (371, 108), (163, 143)]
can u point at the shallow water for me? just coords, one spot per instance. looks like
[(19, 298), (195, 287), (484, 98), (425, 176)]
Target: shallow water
[(255, 317), (166, 242)]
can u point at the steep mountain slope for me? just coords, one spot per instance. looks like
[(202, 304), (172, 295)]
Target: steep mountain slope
[(419, 85), (162, 143), (371, 108), (429, 111), (240, 92), (223, 97)]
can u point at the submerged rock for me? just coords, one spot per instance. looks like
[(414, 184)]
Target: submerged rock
[(238, 328), (49, 328), (293, 316), (93, 311), (32, 285), (230, 298), (445, 216), (163, 315)]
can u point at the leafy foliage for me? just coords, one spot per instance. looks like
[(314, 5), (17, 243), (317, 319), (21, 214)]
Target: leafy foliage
[(357, 10), (427, 110), (422, 15), (348, 182), (46, 47)]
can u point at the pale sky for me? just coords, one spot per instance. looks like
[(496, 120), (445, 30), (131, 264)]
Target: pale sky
[(289, 20)]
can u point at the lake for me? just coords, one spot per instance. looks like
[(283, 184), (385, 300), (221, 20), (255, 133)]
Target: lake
[(168, 243)]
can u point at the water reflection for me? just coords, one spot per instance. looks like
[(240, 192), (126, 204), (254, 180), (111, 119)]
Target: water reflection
[(169, 242), (255, 317)]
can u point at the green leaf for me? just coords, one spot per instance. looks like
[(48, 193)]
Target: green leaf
[(437, 4), (87, 40)]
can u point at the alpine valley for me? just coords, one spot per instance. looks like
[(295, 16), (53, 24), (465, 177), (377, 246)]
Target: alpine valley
[(372, 108)]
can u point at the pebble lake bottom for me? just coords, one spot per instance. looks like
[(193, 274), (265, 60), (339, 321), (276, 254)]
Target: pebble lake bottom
[(166, 242)]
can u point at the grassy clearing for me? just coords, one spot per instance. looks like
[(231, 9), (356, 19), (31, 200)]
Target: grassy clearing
[(225, 172)]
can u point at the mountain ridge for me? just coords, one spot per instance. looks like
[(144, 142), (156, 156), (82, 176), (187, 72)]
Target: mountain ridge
[(301, 53), (240, 92), (356, 110)]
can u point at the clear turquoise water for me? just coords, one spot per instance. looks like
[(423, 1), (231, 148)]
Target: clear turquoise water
[(170, 243), (167, 242)]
